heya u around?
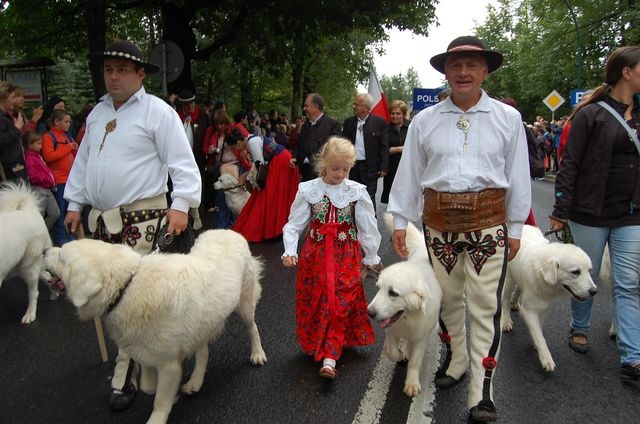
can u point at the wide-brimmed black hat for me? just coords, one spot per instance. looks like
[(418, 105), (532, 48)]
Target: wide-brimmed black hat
[(126, 50), (186, 96), (468, 44)]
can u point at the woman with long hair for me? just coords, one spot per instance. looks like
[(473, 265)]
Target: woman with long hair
[(598, 195)]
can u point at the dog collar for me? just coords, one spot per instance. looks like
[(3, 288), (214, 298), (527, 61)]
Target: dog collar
[(121, 290)]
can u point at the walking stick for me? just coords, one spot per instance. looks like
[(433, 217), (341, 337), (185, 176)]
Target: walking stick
[(103, 346)]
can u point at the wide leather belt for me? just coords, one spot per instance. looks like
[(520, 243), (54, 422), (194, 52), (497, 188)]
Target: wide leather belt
[(141, 210), (464, 212)]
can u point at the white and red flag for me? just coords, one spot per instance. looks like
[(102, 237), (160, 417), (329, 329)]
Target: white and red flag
[(380, 105)]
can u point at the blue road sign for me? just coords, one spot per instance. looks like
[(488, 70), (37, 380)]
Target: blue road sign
[(576, 96), (425, 97)]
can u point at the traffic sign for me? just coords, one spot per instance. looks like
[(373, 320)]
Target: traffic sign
[(425, 97), (553, 101), (576, 96)]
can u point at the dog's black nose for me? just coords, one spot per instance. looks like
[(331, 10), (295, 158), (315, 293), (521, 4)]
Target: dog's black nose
[(371, 313), (593, 292)]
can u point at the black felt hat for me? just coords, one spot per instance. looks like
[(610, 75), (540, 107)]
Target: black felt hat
[(468, 44), (126, 50), (186, 96)]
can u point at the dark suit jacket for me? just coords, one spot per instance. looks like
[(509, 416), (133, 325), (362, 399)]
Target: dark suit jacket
[(376, 142), (311, 138)]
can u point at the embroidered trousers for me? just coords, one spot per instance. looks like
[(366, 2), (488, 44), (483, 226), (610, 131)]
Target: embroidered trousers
[(475, 263), (141, 237)]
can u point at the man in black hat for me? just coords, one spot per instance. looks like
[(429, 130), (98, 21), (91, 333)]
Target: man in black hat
[(133, 141), (468, 156), (195, 122)]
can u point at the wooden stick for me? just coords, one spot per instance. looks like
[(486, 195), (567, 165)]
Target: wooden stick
[(101, 342)]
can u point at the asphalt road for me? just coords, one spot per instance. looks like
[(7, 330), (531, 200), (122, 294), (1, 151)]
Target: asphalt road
[(52, 373)]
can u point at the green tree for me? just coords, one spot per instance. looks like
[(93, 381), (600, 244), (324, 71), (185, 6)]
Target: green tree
[(246, 39), (540, 44), (399, 86)]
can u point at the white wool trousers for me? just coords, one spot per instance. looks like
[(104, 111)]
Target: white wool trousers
[(470, 268)]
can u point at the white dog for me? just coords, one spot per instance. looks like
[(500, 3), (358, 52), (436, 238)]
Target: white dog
[(407, 306), (24, 238), (234, 194), (162, 308), (540, 273)]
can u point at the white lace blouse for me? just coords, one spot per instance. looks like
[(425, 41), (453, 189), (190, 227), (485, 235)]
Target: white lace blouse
[(340, 195)]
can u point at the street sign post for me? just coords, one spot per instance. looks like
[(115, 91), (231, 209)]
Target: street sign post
[(553, 101)]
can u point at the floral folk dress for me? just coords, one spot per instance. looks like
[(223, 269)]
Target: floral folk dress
[(331, 308)]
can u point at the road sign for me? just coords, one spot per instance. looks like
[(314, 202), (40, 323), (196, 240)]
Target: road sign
[(29, 80), (576, 96), (425, 97), (169, 57), (553, 101)]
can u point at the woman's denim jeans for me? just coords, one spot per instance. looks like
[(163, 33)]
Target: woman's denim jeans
[(624, 249)]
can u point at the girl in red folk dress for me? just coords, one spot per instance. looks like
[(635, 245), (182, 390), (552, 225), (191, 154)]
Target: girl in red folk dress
[(331, 309)]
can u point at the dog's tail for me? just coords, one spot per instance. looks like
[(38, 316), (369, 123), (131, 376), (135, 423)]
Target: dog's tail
[(18, 197), (415, 239), (253, 274)]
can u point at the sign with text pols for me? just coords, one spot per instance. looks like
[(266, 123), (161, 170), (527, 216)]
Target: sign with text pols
[(30, 82), (425, 97)]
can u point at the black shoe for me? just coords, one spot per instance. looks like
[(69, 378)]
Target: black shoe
[(484, 412), (122, 399), (630, 372), (444, 381)]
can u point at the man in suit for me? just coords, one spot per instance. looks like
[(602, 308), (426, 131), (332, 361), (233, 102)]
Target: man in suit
[(315, 131), (369, 134)]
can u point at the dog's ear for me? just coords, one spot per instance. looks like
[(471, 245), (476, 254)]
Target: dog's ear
[(417, 301), (81, 283), (550, 271)]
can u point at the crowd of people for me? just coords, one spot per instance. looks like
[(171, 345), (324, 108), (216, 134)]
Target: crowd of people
[(462, 167)]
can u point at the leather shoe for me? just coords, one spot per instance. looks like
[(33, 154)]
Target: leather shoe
[(328, 372), (122, 399), (444, 381), (484, 412), (630, 372)]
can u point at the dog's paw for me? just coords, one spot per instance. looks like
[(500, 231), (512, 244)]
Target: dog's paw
[(190, 387), (28, 318), (612, 332), (507, 326), (547, 363), (258, 358), (412, 389)]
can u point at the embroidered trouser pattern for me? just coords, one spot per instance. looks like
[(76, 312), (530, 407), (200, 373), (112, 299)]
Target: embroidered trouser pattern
[(474, 263), (141, 237)]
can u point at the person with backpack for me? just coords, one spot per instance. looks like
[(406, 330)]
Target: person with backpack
[(59, 151)]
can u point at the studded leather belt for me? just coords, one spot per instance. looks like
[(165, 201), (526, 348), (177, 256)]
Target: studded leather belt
[(464, 212)]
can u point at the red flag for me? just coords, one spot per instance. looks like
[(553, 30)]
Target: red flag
[(380, 105)]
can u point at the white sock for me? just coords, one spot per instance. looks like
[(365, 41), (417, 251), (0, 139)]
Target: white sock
[(330, 362)]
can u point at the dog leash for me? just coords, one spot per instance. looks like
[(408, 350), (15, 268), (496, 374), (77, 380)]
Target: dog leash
[(564, 234)]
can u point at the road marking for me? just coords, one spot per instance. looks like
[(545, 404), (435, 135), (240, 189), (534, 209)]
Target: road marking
[(375, 397), (421, 410)]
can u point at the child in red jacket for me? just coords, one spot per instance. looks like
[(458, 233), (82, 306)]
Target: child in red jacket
[(40, 176)]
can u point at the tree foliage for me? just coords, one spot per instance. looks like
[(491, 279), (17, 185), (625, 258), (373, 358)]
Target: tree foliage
[(540, 44), (399, 86), (244, 51)]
